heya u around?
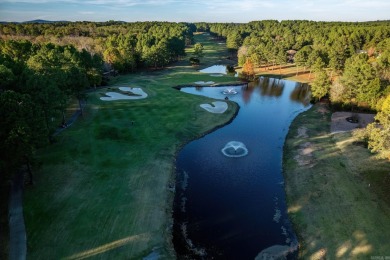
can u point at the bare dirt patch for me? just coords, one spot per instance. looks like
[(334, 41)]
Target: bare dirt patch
[(302, 132), (340, 124), (304, 156), (322, 110)]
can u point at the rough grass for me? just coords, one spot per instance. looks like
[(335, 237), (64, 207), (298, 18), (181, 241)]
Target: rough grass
[(103, 189), (339, 200)]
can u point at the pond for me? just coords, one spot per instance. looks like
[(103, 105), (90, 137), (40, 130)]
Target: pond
[(230, 201), (215, 69)]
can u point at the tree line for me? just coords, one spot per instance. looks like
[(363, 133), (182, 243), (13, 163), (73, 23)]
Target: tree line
[(124, 46)]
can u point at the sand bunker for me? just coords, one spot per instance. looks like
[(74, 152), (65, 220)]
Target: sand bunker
[(218, 107), (216, 75), (204, 82), (128, 93)]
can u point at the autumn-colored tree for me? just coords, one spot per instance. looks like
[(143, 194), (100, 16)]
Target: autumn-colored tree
[(248, 69)]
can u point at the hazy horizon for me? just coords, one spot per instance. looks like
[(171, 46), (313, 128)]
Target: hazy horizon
[(193, 11)]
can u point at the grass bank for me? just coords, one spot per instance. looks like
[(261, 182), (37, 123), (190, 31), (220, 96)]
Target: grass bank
[(337, 192), (105, 187)]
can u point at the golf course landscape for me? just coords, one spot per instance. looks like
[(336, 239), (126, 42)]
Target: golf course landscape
[(104, 188)]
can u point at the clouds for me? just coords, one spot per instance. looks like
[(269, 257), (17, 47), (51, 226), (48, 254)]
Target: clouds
[(119, 3), (196, 10), (86, 12)]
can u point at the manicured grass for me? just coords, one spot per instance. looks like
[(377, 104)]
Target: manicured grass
[(339, 200), (104, 188)]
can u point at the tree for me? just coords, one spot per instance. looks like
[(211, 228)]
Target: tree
[(198, 50), (379, 133), (281, 58), (337, 92), (21, 130), (7, 77), (320, 85), (338, 54), (234, 41), (360, 80), (248, 69), (46, 93), (302, 56), (242, 54), (384, 64), (77, 82)]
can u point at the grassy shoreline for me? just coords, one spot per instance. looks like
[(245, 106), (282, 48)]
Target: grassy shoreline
[(337, 192)]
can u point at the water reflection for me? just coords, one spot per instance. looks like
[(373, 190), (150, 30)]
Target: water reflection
[(199, 88), (301, 93), (246, 95), (272, 87)]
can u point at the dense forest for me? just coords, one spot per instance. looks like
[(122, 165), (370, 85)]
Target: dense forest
[(43, 67)]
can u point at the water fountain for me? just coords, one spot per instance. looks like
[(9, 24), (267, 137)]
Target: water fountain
[(235, 149), (229, 91)]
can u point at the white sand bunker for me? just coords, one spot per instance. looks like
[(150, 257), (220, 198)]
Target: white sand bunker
[(218, 107), (204, 82), (216, 75), (127, 93)]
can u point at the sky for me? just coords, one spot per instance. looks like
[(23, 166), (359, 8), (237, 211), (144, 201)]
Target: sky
[(239, 11)]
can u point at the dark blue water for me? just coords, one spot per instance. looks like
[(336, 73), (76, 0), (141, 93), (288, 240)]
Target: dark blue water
[(234, 208)]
